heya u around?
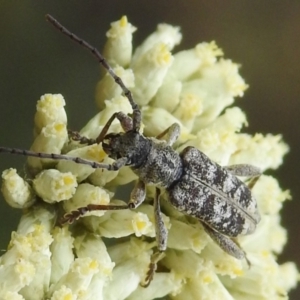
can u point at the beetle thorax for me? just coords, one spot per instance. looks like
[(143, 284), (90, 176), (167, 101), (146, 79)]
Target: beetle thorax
[(162, 166)]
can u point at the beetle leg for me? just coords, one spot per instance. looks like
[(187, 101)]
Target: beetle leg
[(137, 195), (76, 136), (160, 228), (125, 121), (172, 133), (155, 258), (74, 215), (252, 182), (81, 211), (226, 243), (161, 239), (243, 170)]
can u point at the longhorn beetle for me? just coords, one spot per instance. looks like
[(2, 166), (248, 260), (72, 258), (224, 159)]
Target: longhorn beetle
[(193, 183)]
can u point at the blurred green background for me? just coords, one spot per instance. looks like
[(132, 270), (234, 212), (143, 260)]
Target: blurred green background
[(263, 36)]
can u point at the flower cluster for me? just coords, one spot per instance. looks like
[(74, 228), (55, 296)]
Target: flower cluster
[(106, 255)]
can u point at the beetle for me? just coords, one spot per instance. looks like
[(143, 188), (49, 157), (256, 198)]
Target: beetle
[(193, 184)]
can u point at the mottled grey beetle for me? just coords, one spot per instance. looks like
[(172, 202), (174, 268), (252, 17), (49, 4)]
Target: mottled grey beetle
[(193, 183)]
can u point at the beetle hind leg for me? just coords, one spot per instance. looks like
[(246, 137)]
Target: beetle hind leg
[(245, 170), (226, 243), (252, 182)]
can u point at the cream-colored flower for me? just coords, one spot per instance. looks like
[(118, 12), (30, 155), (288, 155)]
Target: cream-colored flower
[(87, 194), (51, 139), (119, 37), (92, 153), (16, 191), (49, 109), (106, 254), (54, 186)]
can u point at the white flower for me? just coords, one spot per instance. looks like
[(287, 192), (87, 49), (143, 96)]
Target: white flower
[(106, 254)]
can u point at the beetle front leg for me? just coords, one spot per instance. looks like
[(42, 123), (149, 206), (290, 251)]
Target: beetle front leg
[(172, 133), (125, 121), (227, 244), (76, 136), (161, 239)]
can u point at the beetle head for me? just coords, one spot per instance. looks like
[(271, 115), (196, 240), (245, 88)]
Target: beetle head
[(132, 145)]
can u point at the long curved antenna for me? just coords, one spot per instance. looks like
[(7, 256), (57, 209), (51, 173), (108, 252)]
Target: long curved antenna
[(104, 63), (77, 160)]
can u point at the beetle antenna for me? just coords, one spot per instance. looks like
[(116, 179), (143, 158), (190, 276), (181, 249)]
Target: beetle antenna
[(77, 160), (105, 64)]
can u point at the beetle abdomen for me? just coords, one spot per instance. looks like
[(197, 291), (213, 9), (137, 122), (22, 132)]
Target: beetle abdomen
[(210, 193)]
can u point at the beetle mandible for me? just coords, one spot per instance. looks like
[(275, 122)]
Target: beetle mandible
[(193, 183)]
